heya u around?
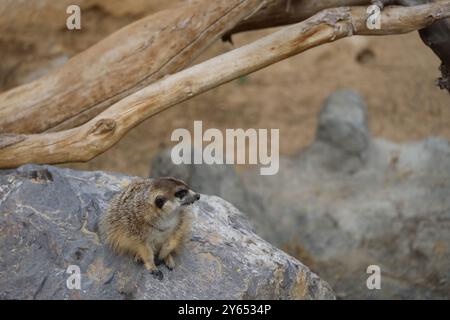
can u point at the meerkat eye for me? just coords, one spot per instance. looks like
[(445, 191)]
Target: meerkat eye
[(159, 201), (181, 194)]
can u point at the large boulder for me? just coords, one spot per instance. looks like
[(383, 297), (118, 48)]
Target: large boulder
[(48, 222), (349, 201)]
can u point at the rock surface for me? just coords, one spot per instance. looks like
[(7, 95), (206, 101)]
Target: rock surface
[(48, 221), (349, 201)]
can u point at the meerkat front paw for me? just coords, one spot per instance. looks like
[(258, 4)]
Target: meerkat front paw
[(169, 262), (157, 274), (137, 259)]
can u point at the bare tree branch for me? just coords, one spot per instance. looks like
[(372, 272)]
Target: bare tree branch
[(96, 136)]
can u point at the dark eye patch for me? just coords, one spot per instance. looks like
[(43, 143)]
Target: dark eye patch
[(159, 201), (181, 193)]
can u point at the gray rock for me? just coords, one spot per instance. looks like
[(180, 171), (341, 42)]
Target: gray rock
[(343, 122), (342, 137), (394, 213), (48, 221), (349, 201)]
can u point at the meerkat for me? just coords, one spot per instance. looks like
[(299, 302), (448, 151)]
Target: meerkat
[(149, 220)]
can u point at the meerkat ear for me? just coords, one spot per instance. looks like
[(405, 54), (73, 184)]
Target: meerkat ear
[(159, 201)]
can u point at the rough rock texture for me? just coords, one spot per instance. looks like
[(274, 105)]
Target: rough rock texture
[(348, 201), (48, 221)]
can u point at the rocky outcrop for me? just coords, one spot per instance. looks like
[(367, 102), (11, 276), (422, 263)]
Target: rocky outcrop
[(348, 201), (48, 222)]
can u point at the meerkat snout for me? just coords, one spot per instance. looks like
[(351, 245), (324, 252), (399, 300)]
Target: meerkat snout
[(190, 198), (149, 219)]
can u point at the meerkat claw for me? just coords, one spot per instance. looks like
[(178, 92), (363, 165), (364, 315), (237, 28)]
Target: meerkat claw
[(169, 262), (169, 268), (157, 274)]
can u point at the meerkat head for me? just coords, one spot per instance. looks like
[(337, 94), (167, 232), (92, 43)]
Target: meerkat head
[(170, 194)]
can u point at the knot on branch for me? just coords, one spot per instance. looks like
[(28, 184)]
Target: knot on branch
[(8, 139), (103, 126), (338, 18), (332, 16)]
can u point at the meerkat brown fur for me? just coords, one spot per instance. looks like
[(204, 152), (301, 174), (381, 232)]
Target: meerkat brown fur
[(148, 218)]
